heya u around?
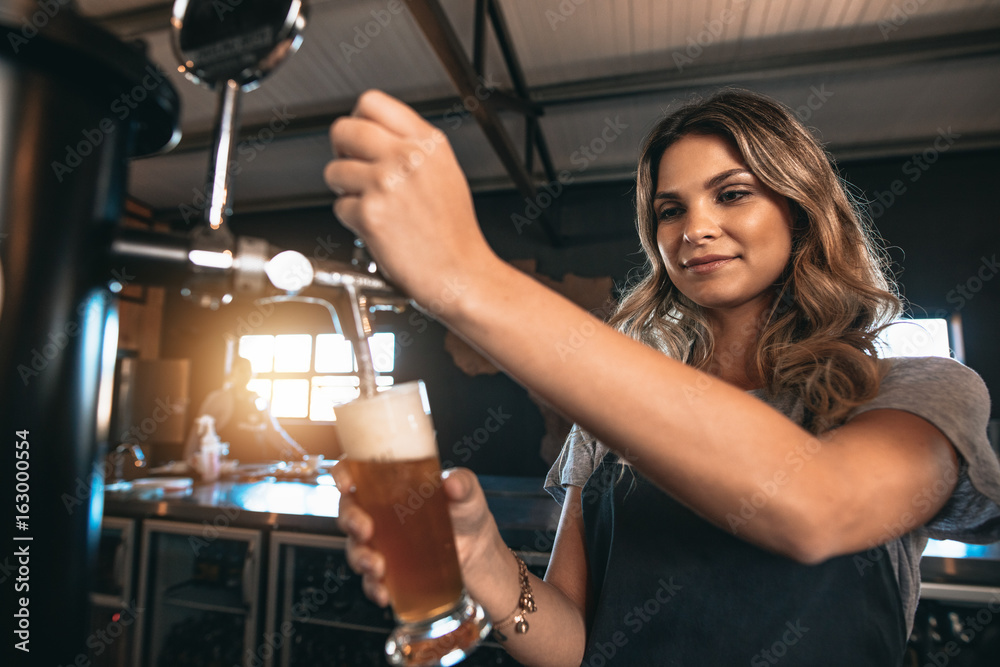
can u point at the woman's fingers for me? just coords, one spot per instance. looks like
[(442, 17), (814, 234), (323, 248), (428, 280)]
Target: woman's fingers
[(375, 591), (359, 528), (467, 502), (355, 522), (364, 560), (360, 138), (349, 177), (370, 564), (391, 114), (459, 484), (401, 190), (342, 478)]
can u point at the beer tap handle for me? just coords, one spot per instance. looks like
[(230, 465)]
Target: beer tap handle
[(359, 336)]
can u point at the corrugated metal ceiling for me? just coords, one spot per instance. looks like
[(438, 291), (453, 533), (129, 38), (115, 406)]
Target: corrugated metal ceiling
[(890, 74)]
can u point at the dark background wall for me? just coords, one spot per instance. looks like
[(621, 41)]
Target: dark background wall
[(939, 222)]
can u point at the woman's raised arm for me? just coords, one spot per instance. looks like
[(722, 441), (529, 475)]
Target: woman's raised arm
[(710, 445)]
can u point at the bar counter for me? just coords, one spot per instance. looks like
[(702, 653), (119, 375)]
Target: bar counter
[(256, 565), (526, 515)]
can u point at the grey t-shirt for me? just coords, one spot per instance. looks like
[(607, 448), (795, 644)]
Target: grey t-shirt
[(942, 391)]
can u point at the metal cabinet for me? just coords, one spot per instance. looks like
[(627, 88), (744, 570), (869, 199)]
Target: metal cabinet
[(957, 625), (112, 595), (198, 595), (318, 615)]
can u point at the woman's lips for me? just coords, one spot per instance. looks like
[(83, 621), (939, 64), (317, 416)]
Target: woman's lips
[(708, 267)]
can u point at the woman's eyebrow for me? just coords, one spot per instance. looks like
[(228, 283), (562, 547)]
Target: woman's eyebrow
[(719, 178), (709, 184)]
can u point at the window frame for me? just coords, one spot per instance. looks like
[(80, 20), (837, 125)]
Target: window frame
[(308, 375)]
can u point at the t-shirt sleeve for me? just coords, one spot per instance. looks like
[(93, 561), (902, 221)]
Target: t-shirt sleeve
[(954, 398), (576, 463)]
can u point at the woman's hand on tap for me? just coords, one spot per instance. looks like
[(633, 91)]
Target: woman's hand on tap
[(402, 191)]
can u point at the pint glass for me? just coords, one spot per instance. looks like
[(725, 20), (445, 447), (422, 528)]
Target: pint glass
[(390, 449)]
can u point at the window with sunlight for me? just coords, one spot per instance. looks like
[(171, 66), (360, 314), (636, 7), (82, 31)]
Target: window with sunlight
[(306, 377), (916, 338)]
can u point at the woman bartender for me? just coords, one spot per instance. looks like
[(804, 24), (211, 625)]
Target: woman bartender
[(746, 469)]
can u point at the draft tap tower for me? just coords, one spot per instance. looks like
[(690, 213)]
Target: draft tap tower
[(76, 103)]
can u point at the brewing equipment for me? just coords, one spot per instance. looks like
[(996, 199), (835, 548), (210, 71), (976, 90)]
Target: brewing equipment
[(77, 103)]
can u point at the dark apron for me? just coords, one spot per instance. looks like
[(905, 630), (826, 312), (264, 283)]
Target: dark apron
[(672, 589)]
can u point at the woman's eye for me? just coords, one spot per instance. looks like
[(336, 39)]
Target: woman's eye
[(733, 195), (668, 212)]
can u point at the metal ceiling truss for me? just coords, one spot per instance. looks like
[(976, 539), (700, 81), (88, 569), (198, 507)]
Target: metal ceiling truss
[(466, 76), (531, 103), (829, 62)]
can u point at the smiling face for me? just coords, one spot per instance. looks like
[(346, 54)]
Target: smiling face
[(724, 236)]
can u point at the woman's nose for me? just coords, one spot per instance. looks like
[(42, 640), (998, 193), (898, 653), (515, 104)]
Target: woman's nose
[(700, 224)]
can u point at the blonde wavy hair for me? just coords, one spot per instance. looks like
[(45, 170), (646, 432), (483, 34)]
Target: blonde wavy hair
[(834, 296)]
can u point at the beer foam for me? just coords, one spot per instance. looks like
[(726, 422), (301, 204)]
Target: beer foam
[(391, 425)]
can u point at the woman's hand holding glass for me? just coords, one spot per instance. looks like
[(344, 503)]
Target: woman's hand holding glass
[(475, 532)]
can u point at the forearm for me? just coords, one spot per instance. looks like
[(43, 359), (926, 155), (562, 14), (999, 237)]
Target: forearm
[(556, 634), (706, 442)]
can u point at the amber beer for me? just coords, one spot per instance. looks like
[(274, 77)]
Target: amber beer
[(390, 449), (413, 531)]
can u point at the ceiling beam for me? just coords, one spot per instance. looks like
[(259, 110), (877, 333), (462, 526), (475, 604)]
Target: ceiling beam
[(842, 153), (434, 23), (831, 62), (534, 133)]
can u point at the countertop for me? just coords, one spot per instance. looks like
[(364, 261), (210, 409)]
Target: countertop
[(526, 514)]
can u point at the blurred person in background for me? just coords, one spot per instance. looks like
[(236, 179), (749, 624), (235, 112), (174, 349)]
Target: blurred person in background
[(244, 420)]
